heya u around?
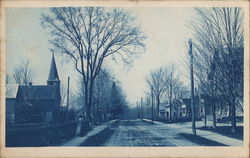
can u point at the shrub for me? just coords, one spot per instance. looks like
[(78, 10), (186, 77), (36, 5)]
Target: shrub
[(39, 136)]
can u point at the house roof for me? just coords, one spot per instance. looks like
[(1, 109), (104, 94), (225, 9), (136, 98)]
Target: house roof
[(39, 92), (53, 74), (187, 101), (164, 107), (176, 102)]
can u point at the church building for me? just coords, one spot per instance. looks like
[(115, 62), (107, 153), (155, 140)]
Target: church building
[(39, 103)]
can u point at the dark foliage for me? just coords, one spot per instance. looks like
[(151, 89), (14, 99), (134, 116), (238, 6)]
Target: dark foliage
[(39, 135), (117, 101)]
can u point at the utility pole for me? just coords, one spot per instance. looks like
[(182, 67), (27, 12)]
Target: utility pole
[(138, 110), (152, 101), (68, 94), (141, 107), (192, 86)]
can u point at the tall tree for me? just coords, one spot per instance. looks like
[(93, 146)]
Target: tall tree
[(157, 81), (171, 81), (220, 46), (88, 35), (117, 101)]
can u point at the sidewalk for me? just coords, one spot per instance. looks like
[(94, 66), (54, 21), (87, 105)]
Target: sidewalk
[(186, 128), (77, 140)]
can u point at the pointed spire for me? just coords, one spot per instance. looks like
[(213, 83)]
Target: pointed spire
[(53, 75)]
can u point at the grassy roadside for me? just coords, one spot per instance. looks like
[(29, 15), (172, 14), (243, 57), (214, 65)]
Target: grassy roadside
[(226, 131), (200, 140), (98, 139)]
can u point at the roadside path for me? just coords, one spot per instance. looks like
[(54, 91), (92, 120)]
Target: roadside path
[(77, 140), (186, 128)]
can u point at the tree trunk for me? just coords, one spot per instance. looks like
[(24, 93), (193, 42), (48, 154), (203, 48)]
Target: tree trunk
[(214, 115), (205, 114), (88, 99), (95, 114), (230, 111), (158, 106), (91, 99), (233, 117), (87, 102), (170, 112)]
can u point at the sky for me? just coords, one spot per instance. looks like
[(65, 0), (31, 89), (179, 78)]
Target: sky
[(167, 34)]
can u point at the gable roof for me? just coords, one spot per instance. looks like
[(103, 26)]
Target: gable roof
[(40, 92), (53, 74), (187, 101)]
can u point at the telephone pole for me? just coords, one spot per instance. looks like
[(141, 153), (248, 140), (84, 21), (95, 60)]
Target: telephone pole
[(152, 100), (141, 107), (192, 86), (138, 110)]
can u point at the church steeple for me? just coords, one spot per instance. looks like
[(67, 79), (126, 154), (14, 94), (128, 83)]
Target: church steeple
[(53, 78)]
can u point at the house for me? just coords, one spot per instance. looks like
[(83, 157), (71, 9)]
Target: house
[(164, 110), (10, 101), (222, 109), (181, 109), (187, 111), (39, 103), (170, 112)]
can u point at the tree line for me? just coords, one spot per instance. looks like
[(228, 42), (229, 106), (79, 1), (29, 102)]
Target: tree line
[(109, 100), (164, 85)]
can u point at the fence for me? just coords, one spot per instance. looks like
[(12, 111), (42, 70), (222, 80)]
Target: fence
[(39, 136)]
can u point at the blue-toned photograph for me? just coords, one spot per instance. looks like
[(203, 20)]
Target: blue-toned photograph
[(124, 76)]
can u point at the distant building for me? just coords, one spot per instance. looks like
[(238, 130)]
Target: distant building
[(38, 103), (181, 109), (222, 109), (187, 111), (175, 110)]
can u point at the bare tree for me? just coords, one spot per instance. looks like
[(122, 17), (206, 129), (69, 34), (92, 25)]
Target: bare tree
[(9, 87), (219, 54), (171, 81), (88, 35), (157, 81), (179, 89), (164, 83), (22, 73)]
